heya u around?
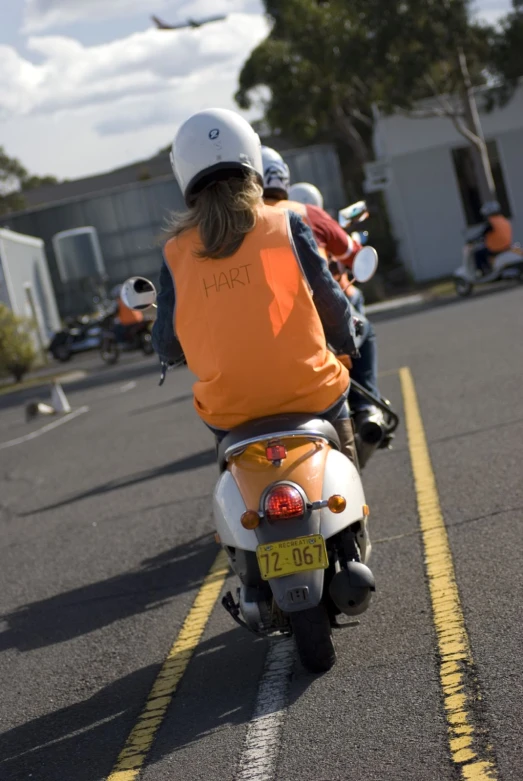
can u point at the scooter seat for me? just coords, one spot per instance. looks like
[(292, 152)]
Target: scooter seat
[(276, 425)]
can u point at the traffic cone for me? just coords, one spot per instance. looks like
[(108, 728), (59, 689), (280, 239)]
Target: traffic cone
[(59, 400)]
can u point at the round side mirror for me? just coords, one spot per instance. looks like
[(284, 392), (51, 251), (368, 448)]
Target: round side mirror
[(138, 293), (365, 264)]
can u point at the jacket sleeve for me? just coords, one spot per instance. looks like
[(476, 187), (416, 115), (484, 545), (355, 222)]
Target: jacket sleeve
[(332, 305), (165, 342)]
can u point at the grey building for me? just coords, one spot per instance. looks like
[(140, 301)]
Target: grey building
[(432, 198), (130, 219)]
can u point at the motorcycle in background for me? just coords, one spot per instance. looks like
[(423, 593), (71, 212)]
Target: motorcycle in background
[(117, 338), (290, 512), (506, 265)]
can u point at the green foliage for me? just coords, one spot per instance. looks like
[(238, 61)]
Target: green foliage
[(507, 51), (14, 180), (326, 63), (17, 352)]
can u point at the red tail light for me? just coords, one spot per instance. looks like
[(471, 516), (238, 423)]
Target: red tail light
[(284, 502), (276, 452)]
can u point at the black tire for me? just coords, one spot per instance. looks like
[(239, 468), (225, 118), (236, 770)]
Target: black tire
[(313, 636), (463, 288), (520, 277), (109, 351), (62, 353)]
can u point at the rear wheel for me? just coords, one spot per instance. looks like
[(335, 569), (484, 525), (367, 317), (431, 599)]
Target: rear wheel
[(109, 350), (313, 636), (147, 344), (463, 287)]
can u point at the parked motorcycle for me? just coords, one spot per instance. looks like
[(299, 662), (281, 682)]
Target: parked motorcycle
[(291, 514), (80, 334), (117, 338), (506, 265)]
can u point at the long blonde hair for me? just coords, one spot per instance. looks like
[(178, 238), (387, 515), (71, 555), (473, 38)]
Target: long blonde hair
[(224, 212)]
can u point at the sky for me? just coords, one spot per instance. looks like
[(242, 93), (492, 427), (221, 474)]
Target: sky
[(90, 85)]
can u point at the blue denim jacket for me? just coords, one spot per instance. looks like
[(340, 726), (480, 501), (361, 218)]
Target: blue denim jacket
[(330, 301)]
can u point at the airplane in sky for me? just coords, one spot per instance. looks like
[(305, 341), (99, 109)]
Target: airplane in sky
[(193, 23)]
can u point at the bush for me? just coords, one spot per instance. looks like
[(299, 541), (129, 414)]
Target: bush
[(17, 352)]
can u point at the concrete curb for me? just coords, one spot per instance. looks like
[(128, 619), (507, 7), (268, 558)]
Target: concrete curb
[(396, 303)]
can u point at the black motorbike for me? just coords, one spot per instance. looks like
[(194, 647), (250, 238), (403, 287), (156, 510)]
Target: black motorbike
[(79, 334), (117, 338)]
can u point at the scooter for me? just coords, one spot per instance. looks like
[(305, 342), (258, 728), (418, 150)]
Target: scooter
[(137, 337), (290, 512), (506, 265)]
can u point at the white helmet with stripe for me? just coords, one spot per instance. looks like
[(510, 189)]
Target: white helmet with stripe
[(276, 175)]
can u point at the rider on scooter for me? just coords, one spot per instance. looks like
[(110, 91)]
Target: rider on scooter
[(255, 302), (126, 321), (309, 195), (495, 236), (334, 241)]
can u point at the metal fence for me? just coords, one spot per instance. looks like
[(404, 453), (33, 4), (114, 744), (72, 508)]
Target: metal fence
[(130, 221)]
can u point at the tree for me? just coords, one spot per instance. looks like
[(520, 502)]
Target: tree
[(12, 173), (14, 181), (326, 63), (17, 352), (507, 51)]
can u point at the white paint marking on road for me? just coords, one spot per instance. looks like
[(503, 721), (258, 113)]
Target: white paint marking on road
[(262, 742), (44, 429), (128, 386)]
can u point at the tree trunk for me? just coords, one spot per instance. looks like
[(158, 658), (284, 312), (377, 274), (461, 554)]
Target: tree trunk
[(479, 151)]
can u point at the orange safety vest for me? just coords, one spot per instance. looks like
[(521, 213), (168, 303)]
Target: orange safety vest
[(128, 316), (249, 328), (500, 238)]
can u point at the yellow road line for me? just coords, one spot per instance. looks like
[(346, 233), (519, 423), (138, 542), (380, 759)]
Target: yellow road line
[(138, 744), (468, 745)]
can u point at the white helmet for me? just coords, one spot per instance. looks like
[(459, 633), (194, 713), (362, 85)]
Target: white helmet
[(211, 145), (306, 193), (490, 208), (276, 175)]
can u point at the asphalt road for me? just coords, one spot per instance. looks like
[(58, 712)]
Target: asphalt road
[(106, 537)]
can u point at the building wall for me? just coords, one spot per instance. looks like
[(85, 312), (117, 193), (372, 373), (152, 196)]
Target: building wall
[(423, 199), (129, 221), (23, 262)]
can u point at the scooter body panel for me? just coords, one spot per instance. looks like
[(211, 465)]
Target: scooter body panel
[(320, 472)]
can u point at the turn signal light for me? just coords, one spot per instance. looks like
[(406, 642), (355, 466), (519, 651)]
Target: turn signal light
[(250, 520), (366, 510), (337, 504), (284, 502)]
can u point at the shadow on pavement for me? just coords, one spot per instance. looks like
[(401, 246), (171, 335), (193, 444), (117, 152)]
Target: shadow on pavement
[(186, 464), (83, 740), (96, 605)]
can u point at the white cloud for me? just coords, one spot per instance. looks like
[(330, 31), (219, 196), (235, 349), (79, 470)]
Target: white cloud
[(145, 63), (124, 99), (45, 14)]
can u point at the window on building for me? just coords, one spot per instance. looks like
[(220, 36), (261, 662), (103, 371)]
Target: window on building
[(464, 167)]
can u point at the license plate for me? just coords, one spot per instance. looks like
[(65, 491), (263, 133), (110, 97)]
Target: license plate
[(277, 559)]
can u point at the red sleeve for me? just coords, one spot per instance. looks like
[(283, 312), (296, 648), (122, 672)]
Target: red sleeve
[(329, 234)]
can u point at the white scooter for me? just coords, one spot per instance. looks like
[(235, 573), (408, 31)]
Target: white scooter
[(506, 265), (290, 512)]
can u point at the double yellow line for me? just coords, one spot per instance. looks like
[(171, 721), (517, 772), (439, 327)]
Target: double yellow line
[(138, 744), (468, 744)]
